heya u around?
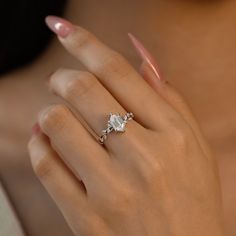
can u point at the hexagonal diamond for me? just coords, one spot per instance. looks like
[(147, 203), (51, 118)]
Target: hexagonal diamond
[(117, 123)]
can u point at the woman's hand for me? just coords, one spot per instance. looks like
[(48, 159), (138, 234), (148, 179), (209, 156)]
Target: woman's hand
[(157, 178)]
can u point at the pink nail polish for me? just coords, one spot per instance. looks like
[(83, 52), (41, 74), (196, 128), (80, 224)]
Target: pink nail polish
[(145, 55), (35, 129), (59, 26)]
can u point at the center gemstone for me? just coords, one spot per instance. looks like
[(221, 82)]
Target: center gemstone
[(117, 123)]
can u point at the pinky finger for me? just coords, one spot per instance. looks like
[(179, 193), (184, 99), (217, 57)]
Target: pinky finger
[(65, 189)]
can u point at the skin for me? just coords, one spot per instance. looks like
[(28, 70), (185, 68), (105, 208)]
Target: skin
[(213, 110), (118, 191)]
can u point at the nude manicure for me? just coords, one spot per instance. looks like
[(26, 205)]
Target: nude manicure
[(145, 55), (59, 26)]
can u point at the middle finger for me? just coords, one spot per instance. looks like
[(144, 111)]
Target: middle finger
[(114, 72)]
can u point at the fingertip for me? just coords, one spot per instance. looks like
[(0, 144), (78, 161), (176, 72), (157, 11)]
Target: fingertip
[(38, 147), (35, 130), (59, 26)]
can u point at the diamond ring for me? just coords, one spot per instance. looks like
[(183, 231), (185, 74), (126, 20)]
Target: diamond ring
[(115, 123)]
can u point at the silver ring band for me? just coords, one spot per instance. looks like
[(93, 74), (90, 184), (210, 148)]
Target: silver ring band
[(115, 123)]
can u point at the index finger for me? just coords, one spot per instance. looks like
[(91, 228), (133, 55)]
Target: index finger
[(113, 71)]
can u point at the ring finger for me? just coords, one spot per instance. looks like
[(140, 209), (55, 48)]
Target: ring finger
[(93, 102)]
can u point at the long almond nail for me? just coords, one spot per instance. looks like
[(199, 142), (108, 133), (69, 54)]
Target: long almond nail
[(145, 55), (59, 26)]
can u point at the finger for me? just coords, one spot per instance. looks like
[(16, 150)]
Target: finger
[(114, 72), (76, 146), (86, 95), (151, 73), (170, 94), (68, 193), (54, 175)]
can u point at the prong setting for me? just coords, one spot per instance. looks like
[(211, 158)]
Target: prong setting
[(115, 123)]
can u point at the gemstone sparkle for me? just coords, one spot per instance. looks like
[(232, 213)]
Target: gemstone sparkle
[(117, 122)]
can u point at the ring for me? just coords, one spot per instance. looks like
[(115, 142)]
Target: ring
[(115, 123)]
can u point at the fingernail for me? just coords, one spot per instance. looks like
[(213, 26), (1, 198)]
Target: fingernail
[(145, 55), (59, 26), (35, 129)]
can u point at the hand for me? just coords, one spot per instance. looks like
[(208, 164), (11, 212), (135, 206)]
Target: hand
[(157, 178)]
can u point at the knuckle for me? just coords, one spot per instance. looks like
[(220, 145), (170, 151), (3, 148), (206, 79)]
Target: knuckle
[(179, 135), (120, 199), (154, 172), (114, 63), (54, 117), (80, 84)]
